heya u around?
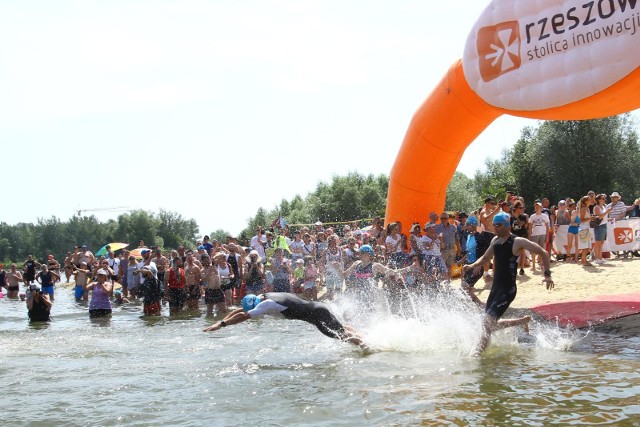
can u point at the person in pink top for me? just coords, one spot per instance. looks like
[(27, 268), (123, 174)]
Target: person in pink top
[(310, 277)]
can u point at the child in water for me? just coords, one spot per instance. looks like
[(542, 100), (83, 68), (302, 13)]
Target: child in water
[(118, 299), (82, 274)]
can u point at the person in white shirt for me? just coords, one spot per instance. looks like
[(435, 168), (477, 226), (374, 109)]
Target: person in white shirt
[(431, 248), (538, 230), (258, 241)]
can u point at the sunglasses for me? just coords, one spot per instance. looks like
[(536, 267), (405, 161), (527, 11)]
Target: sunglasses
[(500, 224)]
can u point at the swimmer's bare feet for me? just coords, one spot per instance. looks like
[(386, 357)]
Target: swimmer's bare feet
[(213, 327)]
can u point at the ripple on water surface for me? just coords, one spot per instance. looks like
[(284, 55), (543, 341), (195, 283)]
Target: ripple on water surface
[(132, 371)]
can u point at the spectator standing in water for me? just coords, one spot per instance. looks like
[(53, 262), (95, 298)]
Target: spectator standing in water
[(151, 290), (29, 268), (14, 277), (101, 289), (47, 278), (38, 305)]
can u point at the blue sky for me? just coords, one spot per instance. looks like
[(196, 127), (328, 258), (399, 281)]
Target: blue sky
[(214, 108)]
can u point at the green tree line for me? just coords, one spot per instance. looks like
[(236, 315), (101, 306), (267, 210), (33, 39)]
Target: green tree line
[(559, 159), (56, 237), (555, 159), (346, 198)]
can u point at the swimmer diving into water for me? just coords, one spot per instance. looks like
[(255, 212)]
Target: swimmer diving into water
[(294, 308)]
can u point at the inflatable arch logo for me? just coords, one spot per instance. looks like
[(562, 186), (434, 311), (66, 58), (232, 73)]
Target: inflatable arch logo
[(498, 49), (545, 59)]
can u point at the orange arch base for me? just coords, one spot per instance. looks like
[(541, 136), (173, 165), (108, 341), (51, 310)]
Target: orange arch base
[(451, 118)]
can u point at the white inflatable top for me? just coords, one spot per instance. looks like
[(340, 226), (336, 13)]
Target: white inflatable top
[(527, 55)]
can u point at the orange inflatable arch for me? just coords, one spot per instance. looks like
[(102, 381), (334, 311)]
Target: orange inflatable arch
[(558, 60)]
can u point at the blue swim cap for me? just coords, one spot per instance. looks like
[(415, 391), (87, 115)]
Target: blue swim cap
[(472, 220), (249, 302), (367, 249), (502, 218)]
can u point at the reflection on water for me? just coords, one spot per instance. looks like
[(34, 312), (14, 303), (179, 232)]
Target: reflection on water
[(130, 370)]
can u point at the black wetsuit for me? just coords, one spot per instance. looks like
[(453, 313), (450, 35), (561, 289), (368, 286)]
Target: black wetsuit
[(233, 262), (39, 311), (30, 272), (312, 312), (503, 290)]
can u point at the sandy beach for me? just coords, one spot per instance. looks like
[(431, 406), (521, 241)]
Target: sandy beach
[(572, 282)]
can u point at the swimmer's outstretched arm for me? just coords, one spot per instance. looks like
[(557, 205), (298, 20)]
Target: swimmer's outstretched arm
[(236, 316), (353, 337)]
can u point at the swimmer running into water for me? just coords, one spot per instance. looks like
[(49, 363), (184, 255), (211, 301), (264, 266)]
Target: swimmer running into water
[(504, 250), (294, 308)]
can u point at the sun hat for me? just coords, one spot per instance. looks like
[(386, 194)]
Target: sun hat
[(249, 302), (367, 249), (151, 268), (103, 272), (502, 218), (253, 253), (615, 194)]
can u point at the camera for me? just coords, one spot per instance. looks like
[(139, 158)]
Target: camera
[(136, 271)]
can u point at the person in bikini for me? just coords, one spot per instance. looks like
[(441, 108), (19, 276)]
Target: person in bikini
[(14, 277), (213, 294), (361, 275)]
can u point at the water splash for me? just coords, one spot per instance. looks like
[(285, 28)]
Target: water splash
[(440, 320)]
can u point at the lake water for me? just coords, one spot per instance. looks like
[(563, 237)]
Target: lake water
[(271, 372)]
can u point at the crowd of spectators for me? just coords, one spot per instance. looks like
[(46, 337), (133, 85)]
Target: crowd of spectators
[(306, 259)]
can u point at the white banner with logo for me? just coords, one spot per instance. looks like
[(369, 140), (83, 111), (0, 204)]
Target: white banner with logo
[(623, 235), (527, 55)]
